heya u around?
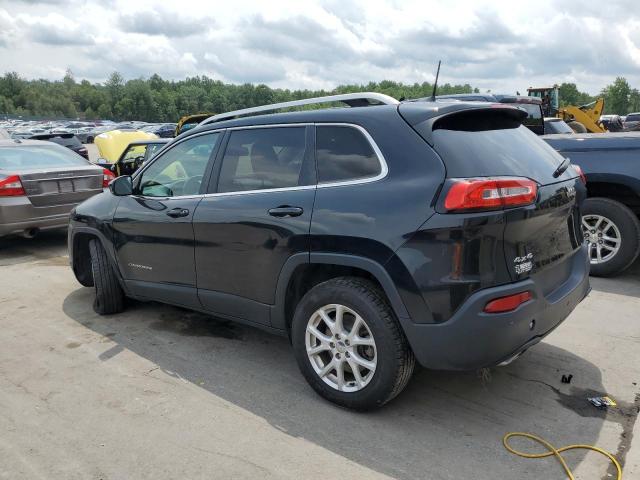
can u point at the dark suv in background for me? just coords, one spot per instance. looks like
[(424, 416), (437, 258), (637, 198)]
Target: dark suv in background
[(372, 236)]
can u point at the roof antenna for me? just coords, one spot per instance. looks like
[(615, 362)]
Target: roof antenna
[(435, 84)]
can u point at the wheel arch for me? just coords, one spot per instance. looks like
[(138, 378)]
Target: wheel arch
[(616, 187), (303, 271), (79, 256)]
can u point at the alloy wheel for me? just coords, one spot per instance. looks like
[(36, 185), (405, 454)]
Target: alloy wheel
[(603, 237), (341, 348)]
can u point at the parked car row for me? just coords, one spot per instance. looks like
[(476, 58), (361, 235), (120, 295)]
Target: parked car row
[(85, 131)]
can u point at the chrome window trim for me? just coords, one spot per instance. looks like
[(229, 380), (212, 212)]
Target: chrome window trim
[(384, 169)]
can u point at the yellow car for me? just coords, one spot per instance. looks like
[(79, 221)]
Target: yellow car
[(190, 121), (112, 144)]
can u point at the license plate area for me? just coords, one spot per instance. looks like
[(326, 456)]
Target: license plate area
[(65, 186)]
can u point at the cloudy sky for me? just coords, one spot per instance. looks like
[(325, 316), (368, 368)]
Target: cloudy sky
[(499, 45)]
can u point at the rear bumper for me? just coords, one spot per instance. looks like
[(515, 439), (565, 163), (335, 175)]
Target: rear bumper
[(18, 214), (473, 339)]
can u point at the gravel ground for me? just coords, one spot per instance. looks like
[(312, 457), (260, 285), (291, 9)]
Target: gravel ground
[(162, 393)]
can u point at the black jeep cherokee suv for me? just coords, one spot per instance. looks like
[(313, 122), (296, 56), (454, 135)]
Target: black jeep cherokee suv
[(373, 236)]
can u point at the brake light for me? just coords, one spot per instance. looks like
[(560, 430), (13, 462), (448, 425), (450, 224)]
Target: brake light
[(507, 304), (107, 176), (581, 173), (11, 186), (490, 193)]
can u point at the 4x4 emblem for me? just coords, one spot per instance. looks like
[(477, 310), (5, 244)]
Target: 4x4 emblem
[(523, 264)]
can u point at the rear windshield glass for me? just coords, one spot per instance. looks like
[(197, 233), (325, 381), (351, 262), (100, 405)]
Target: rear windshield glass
[(65, 141), (38, 156), (485, 144)]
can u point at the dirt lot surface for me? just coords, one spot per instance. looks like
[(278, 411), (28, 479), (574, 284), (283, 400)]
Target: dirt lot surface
[(162, 393)]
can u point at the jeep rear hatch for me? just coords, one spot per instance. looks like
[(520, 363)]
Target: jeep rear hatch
[(487, 146)]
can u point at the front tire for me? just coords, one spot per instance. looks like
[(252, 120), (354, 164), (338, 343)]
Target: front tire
[(613, 233), (109, 295), (348, 344)]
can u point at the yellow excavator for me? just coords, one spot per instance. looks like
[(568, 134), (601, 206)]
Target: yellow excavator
[(587, 115)]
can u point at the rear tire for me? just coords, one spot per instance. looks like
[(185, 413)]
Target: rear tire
[(381, 341), (625, 222), (109, 295)]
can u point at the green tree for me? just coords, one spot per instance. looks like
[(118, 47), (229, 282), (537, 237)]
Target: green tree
[(616, 97), (115, 88), (570, 95)]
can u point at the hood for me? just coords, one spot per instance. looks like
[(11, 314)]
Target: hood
[(111, 144)]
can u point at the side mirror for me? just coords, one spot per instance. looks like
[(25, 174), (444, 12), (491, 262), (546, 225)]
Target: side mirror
[(121, 186)]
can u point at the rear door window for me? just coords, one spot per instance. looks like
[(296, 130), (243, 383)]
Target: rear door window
[(264, 158), (343, 153)]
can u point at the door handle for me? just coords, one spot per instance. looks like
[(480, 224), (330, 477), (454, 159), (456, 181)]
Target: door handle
[(178, 212), (286, 211)]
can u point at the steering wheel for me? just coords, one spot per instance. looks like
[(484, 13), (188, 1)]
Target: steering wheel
[(192, 186)]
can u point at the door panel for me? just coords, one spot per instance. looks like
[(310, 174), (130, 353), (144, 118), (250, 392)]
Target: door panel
[(241, 248), (259, 217), (151, 245), (153, 231)]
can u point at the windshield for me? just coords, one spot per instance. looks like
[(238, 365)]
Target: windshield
[(38, 156), (134, 151), (557, 126), (152, 148)]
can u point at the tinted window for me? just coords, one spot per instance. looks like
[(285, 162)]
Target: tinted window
[(344, 153), (32, 156), (180, 170), (557, 126), (490, 143), (262, 158), (633, 117)]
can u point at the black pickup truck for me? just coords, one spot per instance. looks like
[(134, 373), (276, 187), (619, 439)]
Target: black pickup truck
[(611, 164)]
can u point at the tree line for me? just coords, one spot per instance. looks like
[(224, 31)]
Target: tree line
[(157, 100)]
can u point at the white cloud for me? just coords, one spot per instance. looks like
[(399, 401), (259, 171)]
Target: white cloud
[(499, 45)]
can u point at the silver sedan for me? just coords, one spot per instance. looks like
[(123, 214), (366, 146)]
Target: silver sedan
[(40, 182)]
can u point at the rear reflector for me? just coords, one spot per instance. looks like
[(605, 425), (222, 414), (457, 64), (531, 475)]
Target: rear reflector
[(581, 173), (11, 186), (490, 193), (507, 304), (107, 176)]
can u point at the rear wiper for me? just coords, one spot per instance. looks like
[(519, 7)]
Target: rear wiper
[(562, 167)]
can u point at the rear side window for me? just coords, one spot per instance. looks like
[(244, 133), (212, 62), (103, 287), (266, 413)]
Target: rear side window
[(633, 117), (343, 153), (263, 158)]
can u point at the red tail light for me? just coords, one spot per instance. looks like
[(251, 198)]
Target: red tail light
[(11, 186), (507, 304), (490, 193), (107, 176), (581, 173)]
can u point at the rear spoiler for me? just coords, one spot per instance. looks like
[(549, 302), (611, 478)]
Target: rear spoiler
[(425, 116)]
